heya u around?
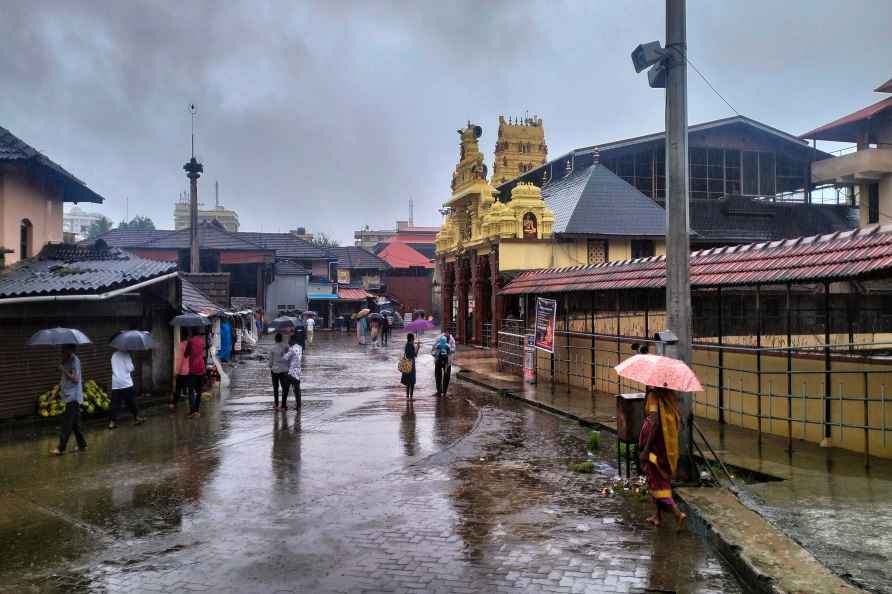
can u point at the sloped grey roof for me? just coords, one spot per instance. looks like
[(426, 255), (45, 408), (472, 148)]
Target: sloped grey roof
[(70, 270), (211, 235), (285, 245), (13, 148), (594, 201), (288, 268), (354, 257), (193, 300)]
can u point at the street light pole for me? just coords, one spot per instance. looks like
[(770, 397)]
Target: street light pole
[(678, 284)]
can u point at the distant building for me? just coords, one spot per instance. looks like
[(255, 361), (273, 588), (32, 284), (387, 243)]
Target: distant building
[(32, 191), (866, 172), (302, 234), (77, 222), (226, 217)]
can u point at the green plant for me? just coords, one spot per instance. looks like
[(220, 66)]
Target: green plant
[(586, 467), (594, 441)]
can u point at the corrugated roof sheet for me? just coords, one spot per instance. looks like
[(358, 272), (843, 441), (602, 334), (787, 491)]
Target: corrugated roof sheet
[(595, 201), (843, 129), (71, 270), (285, 245), (354, 257), (193, 300), (400, 255), (13, 148), (839, 256), (287, 268), (346, 294), (211, 235)]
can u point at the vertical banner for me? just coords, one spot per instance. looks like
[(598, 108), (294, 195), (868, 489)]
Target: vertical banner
[(546, 317)]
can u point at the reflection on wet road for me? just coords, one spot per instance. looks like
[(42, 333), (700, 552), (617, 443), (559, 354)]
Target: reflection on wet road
[(357, 491)]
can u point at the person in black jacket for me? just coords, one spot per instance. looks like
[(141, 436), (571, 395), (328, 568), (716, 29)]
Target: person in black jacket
[(410, 352)]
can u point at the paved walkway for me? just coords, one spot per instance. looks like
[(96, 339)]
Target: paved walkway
[(358, 492), (824, 498)]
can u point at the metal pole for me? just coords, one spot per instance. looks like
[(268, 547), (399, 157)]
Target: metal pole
[(789, 324), (721, 370), (828, 387), (759, 360), (593, 375), (678, 287)]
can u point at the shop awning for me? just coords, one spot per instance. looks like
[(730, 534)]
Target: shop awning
[(321, 296)]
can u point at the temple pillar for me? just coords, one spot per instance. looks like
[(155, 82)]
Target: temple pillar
[(461, 287), (476, 285), (448, 293), (497, 301)]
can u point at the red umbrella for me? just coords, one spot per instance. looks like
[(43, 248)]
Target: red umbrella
[(660, 372)]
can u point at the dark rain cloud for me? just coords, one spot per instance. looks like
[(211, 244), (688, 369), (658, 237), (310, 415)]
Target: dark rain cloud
[(332, 115)]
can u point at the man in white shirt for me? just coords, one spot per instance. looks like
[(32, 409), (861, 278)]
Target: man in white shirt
[(311, 325), (123, 391)]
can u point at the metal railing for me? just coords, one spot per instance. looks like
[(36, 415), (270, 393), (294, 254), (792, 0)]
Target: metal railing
[(812, 392), (487, 335)]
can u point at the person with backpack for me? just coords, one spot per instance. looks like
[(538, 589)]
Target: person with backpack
[(443, 352)]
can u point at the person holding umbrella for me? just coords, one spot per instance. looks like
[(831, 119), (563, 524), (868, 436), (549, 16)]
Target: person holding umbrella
[(123, 391), (72, 393), (197, 369), (407, 365), (658, 441)]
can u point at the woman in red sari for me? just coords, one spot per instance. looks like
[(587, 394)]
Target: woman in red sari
[(658, 444)]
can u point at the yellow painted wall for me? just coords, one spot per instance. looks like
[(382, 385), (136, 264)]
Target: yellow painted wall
[(559, 254), (743, 394), (524, 255)]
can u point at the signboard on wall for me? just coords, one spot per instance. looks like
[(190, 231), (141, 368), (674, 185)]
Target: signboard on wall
[(343, 277), (546, 318)]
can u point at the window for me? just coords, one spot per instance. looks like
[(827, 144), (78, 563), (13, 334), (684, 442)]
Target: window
[(766, 174), (873, 204), (750, 168), (26, 239), (644, 173), (732, 173), (642, 248)]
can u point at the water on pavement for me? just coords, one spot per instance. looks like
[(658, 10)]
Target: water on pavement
[(357, 491)]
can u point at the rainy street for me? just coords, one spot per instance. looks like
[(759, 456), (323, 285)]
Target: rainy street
[(355, 492)]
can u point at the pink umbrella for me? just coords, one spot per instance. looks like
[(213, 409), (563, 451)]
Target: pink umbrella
[(660, 372), (419, 325)]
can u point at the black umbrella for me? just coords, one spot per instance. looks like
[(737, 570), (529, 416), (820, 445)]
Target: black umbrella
[(134, 340), (58, 336), (283, 323), (376, 316), (190, 320)]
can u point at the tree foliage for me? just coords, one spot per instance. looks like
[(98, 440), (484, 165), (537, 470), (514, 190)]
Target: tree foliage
[(138, 222), (98, 227), (324, 241)]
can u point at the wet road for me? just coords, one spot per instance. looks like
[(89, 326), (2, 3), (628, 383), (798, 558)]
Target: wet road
[(356, 492)]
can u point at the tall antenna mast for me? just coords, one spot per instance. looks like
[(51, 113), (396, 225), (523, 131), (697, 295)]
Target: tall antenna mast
[(411, 212), (192, 110), (217, 193)]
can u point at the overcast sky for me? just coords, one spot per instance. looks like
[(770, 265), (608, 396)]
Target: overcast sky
[(332, 115)]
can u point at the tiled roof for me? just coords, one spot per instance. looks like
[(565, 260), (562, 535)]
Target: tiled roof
[(845, 129), (193, 300), (741, 219), (211, 235), (886, 87), (838, 256), (288, 268), (353, 257), (428, 250), (345, 294), (595, 201), (129, 238), (285, 245), (69, 270), (400, 255), (13, 148)]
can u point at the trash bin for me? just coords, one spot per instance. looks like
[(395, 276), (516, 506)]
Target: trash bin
[(529, 359), (629, 416)]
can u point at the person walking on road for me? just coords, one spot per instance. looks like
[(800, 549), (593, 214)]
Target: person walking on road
[(658, 443), (294, 357), (443, 352), (410, 352), (197, 370), (123, 392), (182, 364), (311, 329), (72, 393), (385, 329), (278, 368)]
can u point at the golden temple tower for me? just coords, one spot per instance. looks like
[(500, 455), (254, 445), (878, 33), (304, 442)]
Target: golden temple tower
[(519, 148)]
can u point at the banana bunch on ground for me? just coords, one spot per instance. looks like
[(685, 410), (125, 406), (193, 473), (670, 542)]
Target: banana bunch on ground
[(95, 398), (49, 404)]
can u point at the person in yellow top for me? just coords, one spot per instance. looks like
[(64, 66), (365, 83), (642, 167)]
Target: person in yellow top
[(658, 447)]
